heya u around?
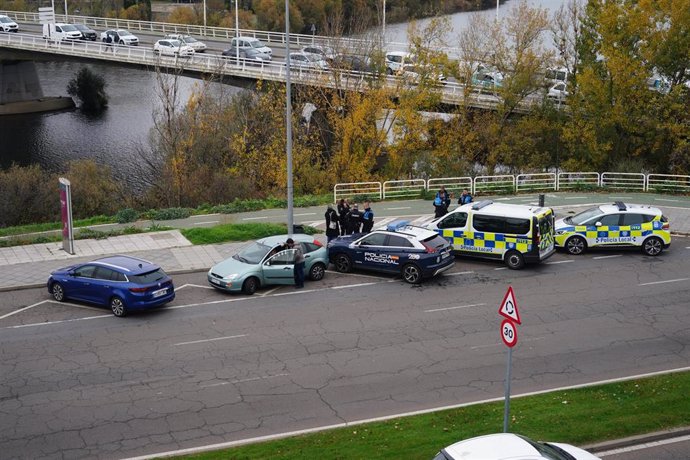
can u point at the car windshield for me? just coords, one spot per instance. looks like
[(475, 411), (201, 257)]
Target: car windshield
[(81, 27), (6, 20), (189, 39), (584, 216), (148, 277), (123, 32), (252, 254), (175, 43), (436, 242), (68, 28), (257, 44)]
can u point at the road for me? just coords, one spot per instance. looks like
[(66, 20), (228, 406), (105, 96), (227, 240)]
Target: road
[(210, 368)]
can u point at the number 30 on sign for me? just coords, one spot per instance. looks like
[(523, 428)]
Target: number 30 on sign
[(508, 333)]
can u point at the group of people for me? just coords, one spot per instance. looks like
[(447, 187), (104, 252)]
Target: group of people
[(348, 219), (443, 199)]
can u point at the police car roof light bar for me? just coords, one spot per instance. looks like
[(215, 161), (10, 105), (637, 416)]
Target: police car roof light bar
[(397, 225), (621, 205), (482, 204)]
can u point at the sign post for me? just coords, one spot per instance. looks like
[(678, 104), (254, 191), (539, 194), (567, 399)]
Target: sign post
[(66, 213), (509, 310)]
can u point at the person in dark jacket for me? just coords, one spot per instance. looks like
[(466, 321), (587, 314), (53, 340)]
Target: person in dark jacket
[(354, 220), (343, 211), (367, 218), (332, 223), (465, 197), (441, 203)]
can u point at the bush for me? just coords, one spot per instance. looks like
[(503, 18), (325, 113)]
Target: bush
[(169, 213), (89, 88), (127, 215)]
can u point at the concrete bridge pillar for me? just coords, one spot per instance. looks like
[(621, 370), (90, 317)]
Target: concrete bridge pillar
[(21, 92)]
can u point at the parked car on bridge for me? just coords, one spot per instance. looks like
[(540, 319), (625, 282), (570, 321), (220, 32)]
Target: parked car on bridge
[(505, 446), (326, 52), (173, 48), (120, 37), (267, 262), (558, 92), (250, 55), (395, 60), (352, 62), (250, 42), (123, 283), (303, 60), (60, 32), (197, 46), (87, 33), (7, 24)]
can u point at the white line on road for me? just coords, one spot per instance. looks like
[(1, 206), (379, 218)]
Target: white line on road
[(457, 273), (620, 197), (666, 199), (607, 257), (283, 435), (254, 379), (454, 308), (210, 340), (207, 222), (646, 445), (402, 207), (559, 262), (205, 215), (22, 309), (490, 345), (355, 274), (353, 285), (61, 321), (664, 282), (687, 247), (193, 285), (305, 214), (501, 268), (574, 197), (503, 199), (255, 218), (269, 291)]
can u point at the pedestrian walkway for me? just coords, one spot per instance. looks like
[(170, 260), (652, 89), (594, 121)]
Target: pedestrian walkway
[(30, 265)]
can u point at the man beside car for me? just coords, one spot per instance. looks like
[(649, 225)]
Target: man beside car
[(299, 262)]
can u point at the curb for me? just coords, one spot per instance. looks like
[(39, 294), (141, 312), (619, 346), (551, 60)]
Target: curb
[(637, 440)]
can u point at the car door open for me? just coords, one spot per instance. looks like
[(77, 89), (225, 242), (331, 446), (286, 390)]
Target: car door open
[(280, 268)]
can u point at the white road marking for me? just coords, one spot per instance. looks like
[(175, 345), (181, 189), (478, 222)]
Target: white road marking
[(384, 222), (205, 215), (7, 315), (269, 291), (353, 285), (664, 282), (207, 222), (574, 197), (457, 273), (607, 257), (454, 308), (666, 199), (61, 321), (193, 285), (232, 382), (559, 262), (687, 247), (490, 345), (401, 207), (620, 197), (255, 218), (503, 199), (210, 340), (355, 274), (501, 268), (288, 434), (646, 445), (305, 214)]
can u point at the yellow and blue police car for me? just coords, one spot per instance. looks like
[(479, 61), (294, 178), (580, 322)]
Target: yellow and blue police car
[(615, 225), (517, 234)]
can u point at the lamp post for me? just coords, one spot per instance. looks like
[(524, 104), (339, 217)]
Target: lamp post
[(288, 119), (497, 9), (204, 17), (237, 32), (383, 23)]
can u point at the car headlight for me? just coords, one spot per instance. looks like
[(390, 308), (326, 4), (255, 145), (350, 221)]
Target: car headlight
[(231, 277), (560, 232)]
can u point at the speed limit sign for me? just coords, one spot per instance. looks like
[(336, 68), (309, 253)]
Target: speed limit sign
[(508, 333)]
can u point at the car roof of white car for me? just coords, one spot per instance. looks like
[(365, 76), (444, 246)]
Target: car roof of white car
[(398, 53), (637, 208), (501, 446), (501, 209)]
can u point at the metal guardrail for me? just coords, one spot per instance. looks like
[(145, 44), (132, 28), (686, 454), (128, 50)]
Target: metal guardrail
[(402, 188), (456, 184), (534, 182), (572, 180), (628, 181), (668, 183), (501, 183), (354, 189)]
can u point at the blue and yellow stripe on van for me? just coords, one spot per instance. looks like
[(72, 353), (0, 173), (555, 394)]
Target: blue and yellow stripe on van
[(484, 242)]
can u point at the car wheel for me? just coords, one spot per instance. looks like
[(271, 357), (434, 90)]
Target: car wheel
[(389, 71), (342, 263), (317, 271), (122, 42), (58, 292), (653, 246), (576, 245), (117, 306), (411, 273), (514, 260), (250, 285)]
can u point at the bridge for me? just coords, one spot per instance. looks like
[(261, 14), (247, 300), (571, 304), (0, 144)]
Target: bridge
[(451, 93)]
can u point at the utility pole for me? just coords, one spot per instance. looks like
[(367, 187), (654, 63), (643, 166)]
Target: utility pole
[(288, 120)]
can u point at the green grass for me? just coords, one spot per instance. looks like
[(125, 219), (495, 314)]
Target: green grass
[(578, 416), (236, 232), (48, 226)]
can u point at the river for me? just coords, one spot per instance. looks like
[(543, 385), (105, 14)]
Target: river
[(119, 137)]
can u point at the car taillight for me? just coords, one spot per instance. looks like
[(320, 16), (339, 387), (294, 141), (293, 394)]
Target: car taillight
[(318, 243), (429, 249), (666, 226), (537, 238), (138, 289)]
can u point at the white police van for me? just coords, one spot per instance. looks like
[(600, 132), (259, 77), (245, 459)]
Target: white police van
[(516, 234)]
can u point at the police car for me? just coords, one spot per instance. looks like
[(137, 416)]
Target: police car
[(615, 225), (414, 252)]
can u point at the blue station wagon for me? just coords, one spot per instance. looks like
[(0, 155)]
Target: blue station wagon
[(123, 283)]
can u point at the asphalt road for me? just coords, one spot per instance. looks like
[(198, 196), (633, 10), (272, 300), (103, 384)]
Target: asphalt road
[(211, 367)]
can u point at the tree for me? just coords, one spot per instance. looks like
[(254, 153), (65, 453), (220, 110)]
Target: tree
[(89, 88)]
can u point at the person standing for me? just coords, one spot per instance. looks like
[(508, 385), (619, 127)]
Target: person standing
[(465, 197), (440, 206), (299, 263), (354, 221), (445, 196), (332, 223), (343, 211), (367, 218)]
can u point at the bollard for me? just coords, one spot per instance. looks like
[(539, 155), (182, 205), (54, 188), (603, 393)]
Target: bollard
[(541, 200)]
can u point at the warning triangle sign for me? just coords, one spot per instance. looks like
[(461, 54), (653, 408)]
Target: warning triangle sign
[(509, 308)]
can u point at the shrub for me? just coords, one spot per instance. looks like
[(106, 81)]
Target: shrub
[(127, 215), (169, 213), (89, 88)]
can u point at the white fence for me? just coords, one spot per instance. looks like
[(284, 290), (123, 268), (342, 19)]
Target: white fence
[(507, 183)]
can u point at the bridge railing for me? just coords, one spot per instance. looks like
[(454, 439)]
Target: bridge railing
[(626, 181), (574, 180), (403, 188), (668, 183), (357, 189), (494, 184), (451, 184), (535, 182)]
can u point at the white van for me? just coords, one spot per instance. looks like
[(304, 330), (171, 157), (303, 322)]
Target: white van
[(244, 43), (61, 32)]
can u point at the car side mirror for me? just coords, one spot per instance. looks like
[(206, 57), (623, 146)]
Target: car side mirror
[(598, 224)]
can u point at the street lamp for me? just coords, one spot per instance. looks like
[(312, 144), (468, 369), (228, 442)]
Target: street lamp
[(237, 33), (204, 17), (288, 119), (383, 23)]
